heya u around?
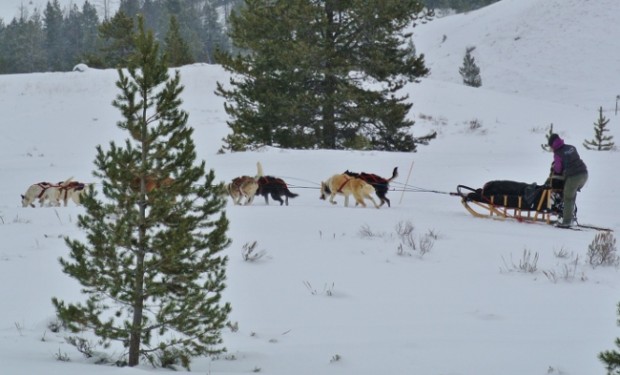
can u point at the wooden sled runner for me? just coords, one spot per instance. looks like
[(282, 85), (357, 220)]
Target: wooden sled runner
[(503, 199)]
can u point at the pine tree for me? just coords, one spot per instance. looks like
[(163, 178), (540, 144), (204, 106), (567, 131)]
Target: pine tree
[(611, 358), (117, 41), (601, 142), (470, 71), (151, 266), (321, 74), (23, 45), (175, 47), (54, 38)]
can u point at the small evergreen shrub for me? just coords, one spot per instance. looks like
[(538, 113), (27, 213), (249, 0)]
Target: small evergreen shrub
[(601, 142), (469, 70)]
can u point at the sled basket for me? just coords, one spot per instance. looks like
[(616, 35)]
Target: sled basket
[(517, 200)]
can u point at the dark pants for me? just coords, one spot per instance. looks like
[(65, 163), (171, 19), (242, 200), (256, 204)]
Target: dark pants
[(571, 185)]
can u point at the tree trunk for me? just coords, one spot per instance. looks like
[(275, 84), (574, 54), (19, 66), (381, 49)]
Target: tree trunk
[(329, 86), (138, 302)]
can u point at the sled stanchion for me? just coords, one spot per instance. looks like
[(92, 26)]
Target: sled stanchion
[(406, 183)]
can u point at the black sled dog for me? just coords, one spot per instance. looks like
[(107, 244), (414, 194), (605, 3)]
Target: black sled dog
[(274, 187), (380, 184)]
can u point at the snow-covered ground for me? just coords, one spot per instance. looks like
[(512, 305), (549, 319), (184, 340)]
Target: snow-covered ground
[(325, 298)]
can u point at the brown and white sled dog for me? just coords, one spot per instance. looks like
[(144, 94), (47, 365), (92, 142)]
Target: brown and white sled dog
[(36, 192), (347, 185), (242, 187)]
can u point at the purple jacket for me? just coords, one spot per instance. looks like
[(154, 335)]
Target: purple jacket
[(566, 160)]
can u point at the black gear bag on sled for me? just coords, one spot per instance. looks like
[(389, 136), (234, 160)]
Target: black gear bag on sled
[(512, 199)]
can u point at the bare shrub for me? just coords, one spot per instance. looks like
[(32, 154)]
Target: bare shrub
[(404, 229), (82, 345), (327, 289), (62, 357), (248, 252), (562, 253), (474, 125), (408, 242), (527, 263), (567, 272), (602, 250), (366, 232)]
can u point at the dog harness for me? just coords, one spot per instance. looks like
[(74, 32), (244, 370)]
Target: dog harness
[(344, 183)]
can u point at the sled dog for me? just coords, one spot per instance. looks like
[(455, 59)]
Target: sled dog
[(347, 185), (274, 186), (72, 191), (381, 185), (242, 187), (35, 192), (151, 183), (65, 191)]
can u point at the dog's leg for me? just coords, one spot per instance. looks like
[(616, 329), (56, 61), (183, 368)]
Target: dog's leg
[(386, 201), (360, 200), (276, 197), (373, 201), (331, 199)]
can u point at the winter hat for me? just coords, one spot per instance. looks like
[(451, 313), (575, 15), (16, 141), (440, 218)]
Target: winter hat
[(552, 139)]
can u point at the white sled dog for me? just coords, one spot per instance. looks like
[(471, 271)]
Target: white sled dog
[(347, 185), (68, 190), (36, 192)]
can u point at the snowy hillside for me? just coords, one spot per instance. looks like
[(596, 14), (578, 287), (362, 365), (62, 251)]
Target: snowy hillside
[(333, 294), (559, 51)]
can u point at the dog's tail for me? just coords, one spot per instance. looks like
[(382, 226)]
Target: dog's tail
[(259, 170), (289, 193), (394, 174)]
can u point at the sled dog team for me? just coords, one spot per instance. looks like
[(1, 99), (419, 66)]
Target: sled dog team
[(362, 186), (54, 193)]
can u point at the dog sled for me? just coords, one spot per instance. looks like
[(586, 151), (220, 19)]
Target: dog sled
[(502, 199)]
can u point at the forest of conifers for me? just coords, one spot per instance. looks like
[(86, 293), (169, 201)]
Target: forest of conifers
[(57, 38)]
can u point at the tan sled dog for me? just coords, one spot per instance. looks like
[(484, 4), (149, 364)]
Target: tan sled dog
[(242, 187), (245, 187), (347, 185)]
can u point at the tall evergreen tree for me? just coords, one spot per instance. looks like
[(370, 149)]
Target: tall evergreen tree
[(469, 70), (23, 45), (175, 46), (151, 266), (601, 142), (212, 36), (55, 46), (321, 74), (117, 41), (81, 34)]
